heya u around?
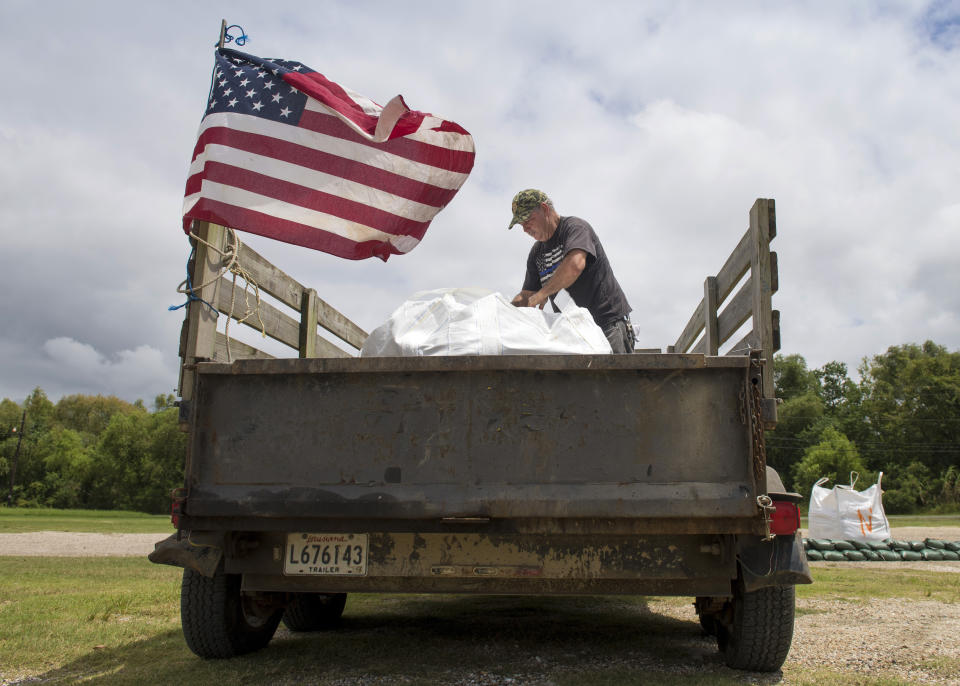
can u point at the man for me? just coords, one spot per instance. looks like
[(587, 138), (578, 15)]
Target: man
[(567, 254)]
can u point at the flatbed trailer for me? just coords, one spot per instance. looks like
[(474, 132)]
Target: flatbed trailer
[(314, 477)]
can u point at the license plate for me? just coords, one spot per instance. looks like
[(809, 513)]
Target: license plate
[(326, 554)]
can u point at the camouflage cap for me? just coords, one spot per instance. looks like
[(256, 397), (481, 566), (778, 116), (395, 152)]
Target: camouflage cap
[(526, 202)]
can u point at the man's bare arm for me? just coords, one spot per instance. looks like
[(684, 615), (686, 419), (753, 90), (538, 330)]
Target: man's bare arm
[(568, 271)]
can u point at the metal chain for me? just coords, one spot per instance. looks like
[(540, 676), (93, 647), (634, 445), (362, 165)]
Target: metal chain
[(756, 428)]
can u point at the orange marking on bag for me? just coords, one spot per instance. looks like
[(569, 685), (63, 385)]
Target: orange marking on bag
[(868, 523)]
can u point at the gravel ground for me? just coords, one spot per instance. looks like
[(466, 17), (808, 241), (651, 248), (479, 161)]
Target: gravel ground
[(70, 544)]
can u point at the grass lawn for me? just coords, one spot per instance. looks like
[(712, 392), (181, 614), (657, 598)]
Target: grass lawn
[(116, 621), (18, 520)]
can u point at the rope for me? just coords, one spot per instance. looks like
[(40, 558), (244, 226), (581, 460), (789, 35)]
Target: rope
[(186, 288), (240, 40), (230, 263)]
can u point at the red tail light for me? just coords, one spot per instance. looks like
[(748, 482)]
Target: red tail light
[(175, 513), (785, 519)]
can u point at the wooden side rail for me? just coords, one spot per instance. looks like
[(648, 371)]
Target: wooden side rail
[(200, 340), (718, 316)]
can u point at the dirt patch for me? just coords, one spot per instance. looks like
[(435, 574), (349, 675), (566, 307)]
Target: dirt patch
[(72, 544), (912, 533)]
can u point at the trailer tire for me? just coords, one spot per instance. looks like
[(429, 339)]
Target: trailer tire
[(709, 624), (217, 621), (314, 611), (758, 638)]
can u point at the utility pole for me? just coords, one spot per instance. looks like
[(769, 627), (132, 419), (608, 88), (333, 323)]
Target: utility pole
[(16, 456)]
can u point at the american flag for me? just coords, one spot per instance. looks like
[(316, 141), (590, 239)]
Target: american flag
[(284, 152)]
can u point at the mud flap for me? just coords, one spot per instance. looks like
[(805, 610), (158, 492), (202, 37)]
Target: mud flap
[(203, 558), (780, 562)]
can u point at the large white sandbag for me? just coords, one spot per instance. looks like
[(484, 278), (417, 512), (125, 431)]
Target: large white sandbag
[(844, 514), (476, 321)]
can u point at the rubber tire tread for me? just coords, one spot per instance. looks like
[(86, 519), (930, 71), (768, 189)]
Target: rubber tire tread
[(314, 611), (211, 614), (762, 629)]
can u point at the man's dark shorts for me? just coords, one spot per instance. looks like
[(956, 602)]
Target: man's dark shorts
[(620, 335)]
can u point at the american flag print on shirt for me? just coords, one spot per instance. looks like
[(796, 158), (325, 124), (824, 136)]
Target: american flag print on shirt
[(285, 153), (547, 264)]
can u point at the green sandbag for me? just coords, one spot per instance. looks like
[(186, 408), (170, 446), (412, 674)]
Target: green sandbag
[(843, 545), (917, 546), (950, 555), (935, 544), (854, 555), (833, 556), (871, 555), (899, 545), (879, 545), (861, 545), (953, 546), (821, 544), (814, 555), (932, 555), (889, 555), (910, 556)]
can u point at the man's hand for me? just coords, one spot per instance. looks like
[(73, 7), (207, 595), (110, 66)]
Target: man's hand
[(521, 298), (538, 299)]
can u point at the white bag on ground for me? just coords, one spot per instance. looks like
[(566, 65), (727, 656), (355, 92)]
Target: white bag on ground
[(844, 514), (475, 321)]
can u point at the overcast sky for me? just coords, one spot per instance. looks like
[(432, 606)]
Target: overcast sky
[(658, 122)]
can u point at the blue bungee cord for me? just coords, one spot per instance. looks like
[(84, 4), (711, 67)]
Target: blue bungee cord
[(240, 40)]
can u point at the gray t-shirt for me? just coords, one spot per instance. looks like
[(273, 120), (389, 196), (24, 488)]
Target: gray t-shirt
[(596, 288)]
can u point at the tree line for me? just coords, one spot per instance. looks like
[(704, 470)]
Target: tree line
[(90, 452), (901, 417)]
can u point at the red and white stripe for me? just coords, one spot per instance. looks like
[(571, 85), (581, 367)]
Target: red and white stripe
[(351, 179)]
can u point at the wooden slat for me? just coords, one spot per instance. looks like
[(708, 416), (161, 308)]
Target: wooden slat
[(776, 330), (339, 325), (201, 322), (308, 324), (745, 345), (763, 226), (691, 330), (700, 348), (711, 344), (238, 350), (735, 267), (737, 311), (276, 324), (325, 348), (771, 220), (269, 278), (774, 273), (289, 291)]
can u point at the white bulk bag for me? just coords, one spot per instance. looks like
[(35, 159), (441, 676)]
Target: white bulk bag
[(844, 514), (475, 321)]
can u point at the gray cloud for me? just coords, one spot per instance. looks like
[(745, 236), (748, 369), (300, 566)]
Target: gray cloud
[(660, 123)]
